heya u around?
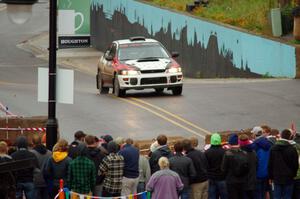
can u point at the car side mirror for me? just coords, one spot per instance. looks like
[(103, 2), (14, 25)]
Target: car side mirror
[(174, 54)]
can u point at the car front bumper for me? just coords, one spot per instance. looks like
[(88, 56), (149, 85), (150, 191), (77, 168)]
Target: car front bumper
[(157, 80)]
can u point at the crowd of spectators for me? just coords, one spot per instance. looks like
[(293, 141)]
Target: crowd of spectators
[(260, 164)]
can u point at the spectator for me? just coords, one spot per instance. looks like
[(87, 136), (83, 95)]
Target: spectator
[(235, 168), (248, 146), (144, 169), (214, 155), (77, 145), (120, 141), (131, 168), (164, 183), (200, 183), (96, 155), (82, 174), (57, 167), (7, 180), (257, 131), (24, 178), (42, 154), (262, 148), (195, 143), (283, 165), (112, 167), (296, 193), (161, 151), (184, 167), (106, 139)]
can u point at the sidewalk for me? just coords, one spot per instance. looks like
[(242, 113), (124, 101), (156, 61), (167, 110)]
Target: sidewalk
[(81, 59)]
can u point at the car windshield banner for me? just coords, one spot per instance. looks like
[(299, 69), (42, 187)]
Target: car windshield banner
[(73, 23)]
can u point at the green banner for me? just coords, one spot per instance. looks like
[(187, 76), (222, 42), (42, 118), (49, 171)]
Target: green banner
[(74, 17)]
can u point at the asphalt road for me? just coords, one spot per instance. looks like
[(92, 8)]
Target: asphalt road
[(205, 106)]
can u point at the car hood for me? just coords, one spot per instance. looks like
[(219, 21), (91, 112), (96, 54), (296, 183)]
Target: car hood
[(149, 65)]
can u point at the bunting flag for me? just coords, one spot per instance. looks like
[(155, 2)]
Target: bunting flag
[(148, 195), (81, 196), (61, 195), (135, 196), (144, 195), (130, 196)]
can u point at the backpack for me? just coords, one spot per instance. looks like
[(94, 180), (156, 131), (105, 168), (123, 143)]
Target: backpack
[(241, 165)]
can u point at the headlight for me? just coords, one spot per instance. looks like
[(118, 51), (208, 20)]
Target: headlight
[(129, 72), (174, 70)]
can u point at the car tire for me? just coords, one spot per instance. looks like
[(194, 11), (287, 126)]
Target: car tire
[(159, 90), (117, 91), (102, 90), (177, 90)]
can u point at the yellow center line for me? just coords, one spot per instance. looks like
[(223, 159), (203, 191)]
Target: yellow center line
[(161, 116), (173, 115)]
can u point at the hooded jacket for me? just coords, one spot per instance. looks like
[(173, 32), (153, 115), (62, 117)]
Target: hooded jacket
[(283, 162), (162, 151), (214, 156), (42, 154), (57, 167), (252, 160), (200, 164), (262, 149), (96, 155), (7, 180), (297, 146)]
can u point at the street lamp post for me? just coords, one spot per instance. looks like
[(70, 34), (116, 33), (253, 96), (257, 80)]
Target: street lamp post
[(19, 11), (52, 124)]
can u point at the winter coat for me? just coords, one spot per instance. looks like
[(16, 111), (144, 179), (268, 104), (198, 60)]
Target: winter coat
[(262, 148), (228, 167), (283, 162), (42, 154), (184, 167), (75, 148), (131, 161), (162, 151), (57, 168), (252, 160), (200, 164), (214, 156), (297, 146), (96, 156), (7, 180), (25, 175)]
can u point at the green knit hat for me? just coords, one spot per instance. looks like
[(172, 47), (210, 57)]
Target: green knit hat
[(215, 139)]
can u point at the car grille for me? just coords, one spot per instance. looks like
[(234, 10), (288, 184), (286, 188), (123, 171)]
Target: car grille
[(153, 71), (154, 80)]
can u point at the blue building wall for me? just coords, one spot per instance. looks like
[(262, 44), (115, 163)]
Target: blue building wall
[(207, 49)]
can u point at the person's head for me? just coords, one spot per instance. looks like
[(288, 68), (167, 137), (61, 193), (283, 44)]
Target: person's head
[(79, 135), (275, 132), (233, 139), (257, 131), (120, 141), (3, 147), (107, 138), (187, 144), (244, 140), (22, 142), (194, 142), (286, 134), (112, 147), (215, 139), (163, 163), (90, 141), (162, 140), (36, 140), (129, 141), (178, 147), (266, 130), (61, 146)]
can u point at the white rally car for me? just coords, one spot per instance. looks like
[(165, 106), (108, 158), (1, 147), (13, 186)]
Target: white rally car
[(138, 63)]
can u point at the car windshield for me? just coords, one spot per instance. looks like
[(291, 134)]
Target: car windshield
[(141, 51)]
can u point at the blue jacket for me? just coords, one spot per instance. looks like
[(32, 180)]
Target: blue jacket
[(131, 160), (263, 146)]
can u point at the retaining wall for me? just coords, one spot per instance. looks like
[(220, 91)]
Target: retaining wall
[(207, 49)]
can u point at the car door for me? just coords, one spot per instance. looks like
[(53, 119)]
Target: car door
[(108, 70)]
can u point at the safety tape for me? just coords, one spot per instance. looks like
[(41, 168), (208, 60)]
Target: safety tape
[(5, 109), (24, 129)]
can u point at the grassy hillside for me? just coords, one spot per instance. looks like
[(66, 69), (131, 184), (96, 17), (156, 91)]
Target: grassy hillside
[(252, 15)]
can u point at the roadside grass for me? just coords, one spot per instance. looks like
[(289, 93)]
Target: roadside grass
[(251, 15)]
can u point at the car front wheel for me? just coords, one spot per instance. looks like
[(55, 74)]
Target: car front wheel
[(177, 90), (117, 90), (102, 90)]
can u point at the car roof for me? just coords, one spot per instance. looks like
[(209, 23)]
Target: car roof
[(128, 41)]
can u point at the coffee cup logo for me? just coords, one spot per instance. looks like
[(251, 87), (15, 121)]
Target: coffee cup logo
[(66, 22)]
